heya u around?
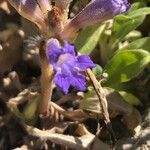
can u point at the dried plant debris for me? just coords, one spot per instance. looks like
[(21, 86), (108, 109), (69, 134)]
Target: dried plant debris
[(11, 53), (141, 141), (78, 120)]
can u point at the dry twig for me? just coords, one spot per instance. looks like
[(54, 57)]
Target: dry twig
[(83, 143), (103, 102)]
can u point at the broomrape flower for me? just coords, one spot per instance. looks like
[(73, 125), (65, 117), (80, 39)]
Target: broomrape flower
[(67, 65), (95, 11)]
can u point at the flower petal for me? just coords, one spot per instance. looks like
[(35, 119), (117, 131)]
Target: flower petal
[(85, 62), (53, 50), (62, 82), (66, 70), (29, 9), (68, 48), (78, 81)]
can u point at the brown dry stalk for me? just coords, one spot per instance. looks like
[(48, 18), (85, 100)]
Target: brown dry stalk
[(47, 74), (81, 143), (103, 102), (76, 115)]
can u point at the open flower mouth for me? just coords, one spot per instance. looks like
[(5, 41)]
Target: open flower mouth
[(64, 58)]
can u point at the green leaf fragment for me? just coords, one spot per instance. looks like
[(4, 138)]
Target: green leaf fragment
[(29, 111), (125, 65), (88, 38), (90, 103), (130, 98), (137, 5), (123, 24), (142, 43), (97, 70)]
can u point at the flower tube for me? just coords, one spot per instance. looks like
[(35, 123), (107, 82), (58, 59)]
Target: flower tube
[(95, 11)]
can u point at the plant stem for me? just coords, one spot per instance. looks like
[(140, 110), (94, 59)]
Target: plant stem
[(47, 74), (103, 103)]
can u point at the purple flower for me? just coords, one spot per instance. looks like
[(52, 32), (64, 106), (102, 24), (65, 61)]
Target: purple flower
[(100, 10), (67, 65), (95, 11)]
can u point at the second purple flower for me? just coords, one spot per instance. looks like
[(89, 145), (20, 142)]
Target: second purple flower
[(67, 65)]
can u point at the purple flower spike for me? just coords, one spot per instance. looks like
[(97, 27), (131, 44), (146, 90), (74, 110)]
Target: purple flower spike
[(95, 11), (67, 65)]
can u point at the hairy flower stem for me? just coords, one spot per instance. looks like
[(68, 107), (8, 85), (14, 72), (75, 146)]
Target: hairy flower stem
[(47, 74), (63, 6)]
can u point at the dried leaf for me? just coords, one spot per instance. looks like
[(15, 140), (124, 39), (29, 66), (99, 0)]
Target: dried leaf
[(132, 120)]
